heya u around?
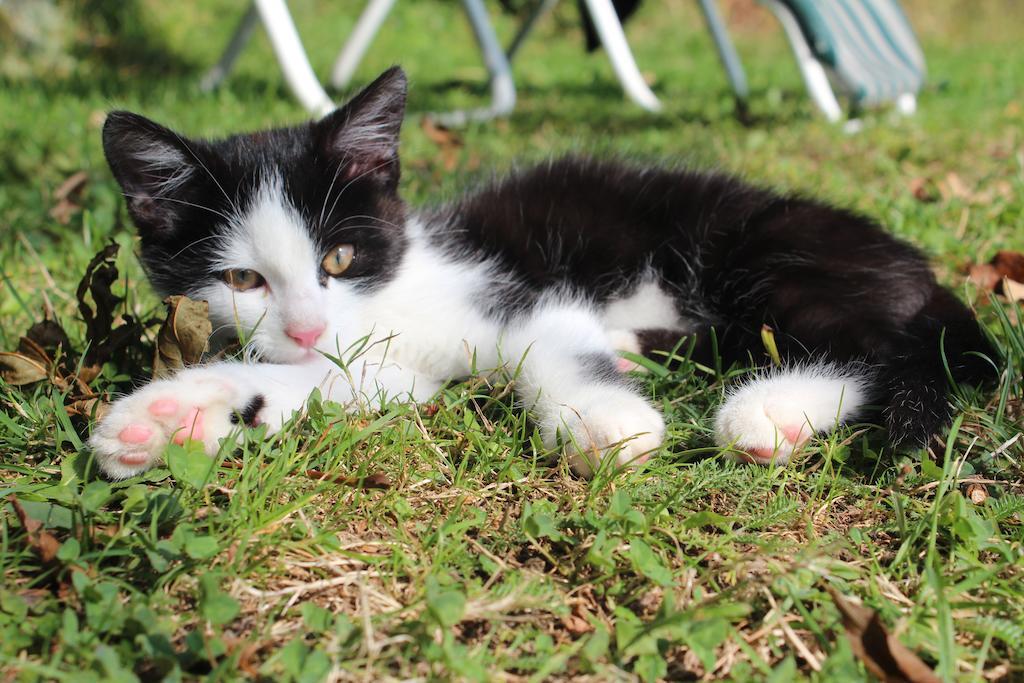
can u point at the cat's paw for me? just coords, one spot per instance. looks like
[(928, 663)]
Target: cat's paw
[(608, 424), (771, 418), (132, 436)]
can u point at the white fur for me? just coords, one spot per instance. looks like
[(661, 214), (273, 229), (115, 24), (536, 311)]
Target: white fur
[(163, 160), (760, 418), (647, 306)]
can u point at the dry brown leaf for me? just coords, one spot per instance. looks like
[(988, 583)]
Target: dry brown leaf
[(184, 335), (90, 407), (977, 493), (448, 142), (1013, 290), (882, 653), (924, 190), (42, 541), (377, 480), (984, 275), (1003, 274), (19, 370), (1009, 264), (66, 197), (111, 335)]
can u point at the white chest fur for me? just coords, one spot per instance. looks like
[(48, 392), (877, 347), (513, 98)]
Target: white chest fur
[(429, 312)]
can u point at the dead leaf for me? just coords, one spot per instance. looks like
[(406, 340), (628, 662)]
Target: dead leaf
[(66, 197), (977, 493), (49, 336), (448, 142), (984, 275), (90, 407), (1009, 264), (377, 480), (111, 337), (19, 370), (1013, 290), (42, 541), (576, 626), (1002, 275), (883, 654), (924, 190), (183, 336)]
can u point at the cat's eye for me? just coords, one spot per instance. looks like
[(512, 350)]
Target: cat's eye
[(338, 259), (242, 279)]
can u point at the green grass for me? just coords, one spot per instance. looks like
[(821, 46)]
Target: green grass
[(482, 560)]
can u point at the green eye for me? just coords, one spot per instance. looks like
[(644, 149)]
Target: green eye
[(242, 279), (338, 259)]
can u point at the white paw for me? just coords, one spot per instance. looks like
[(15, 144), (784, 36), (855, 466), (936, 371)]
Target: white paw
[(607, 423), (772, 417), (192, 406)]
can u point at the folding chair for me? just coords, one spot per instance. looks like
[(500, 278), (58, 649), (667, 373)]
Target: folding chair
[(865, 47), (302, 81)]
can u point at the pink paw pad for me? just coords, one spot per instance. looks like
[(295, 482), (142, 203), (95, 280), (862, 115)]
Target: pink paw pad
[(190, 427), (134, 459), (758, 456), (135, 434), (625, 365), (163, 407), (796, 434)]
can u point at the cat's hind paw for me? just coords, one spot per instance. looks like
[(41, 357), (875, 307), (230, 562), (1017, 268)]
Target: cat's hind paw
[(609, 424), (772, 417), (132, 436)]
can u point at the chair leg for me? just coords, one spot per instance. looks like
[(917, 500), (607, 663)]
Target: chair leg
[(287, 45), (906, 103), (726, 50), (541, 10), (217, 73), (812, 70), (503, 89), (609, 30), (355, 47)]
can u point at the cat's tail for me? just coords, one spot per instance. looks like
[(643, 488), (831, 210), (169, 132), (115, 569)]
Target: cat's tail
[(943, 344)]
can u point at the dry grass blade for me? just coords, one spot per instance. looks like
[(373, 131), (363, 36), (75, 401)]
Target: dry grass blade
[(883, 655)]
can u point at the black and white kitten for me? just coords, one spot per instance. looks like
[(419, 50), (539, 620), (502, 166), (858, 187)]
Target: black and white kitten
[(299, 241)]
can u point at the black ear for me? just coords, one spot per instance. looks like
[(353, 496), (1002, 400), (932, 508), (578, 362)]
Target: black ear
[(363, 134), (155, 168)]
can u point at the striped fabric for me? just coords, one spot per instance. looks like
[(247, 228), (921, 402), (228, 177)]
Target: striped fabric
[(867, 45)]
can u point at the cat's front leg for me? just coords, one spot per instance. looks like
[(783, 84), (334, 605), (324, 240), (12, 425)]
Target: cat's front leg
[(567, 375), (206, 403)]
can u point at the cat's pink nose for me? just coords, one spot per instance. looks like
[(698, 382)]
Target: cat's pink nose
[(307, 337)]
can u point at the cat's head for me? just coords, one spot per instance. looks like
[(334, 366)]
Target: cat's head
[(284, 232)]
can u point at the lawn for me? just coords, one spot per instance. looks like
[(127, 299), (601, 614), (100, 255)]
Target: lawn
[(445, 543)]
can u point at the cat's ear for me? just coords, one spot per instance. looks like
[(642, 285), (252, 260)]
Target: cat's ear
[(362, 136), (154, 165)]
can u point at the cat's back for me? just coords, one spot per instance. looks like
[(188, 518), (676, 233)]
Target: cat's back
[(586, 220)]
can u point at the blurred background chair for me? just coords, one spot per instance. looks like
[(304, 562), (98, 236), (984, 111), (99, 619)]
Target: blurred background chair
[(866, 48), (302, 81)]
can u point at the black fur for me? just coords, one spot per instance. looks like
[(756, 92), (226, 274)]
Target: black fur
[(247, 415), (831, 283), (601, 368)]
